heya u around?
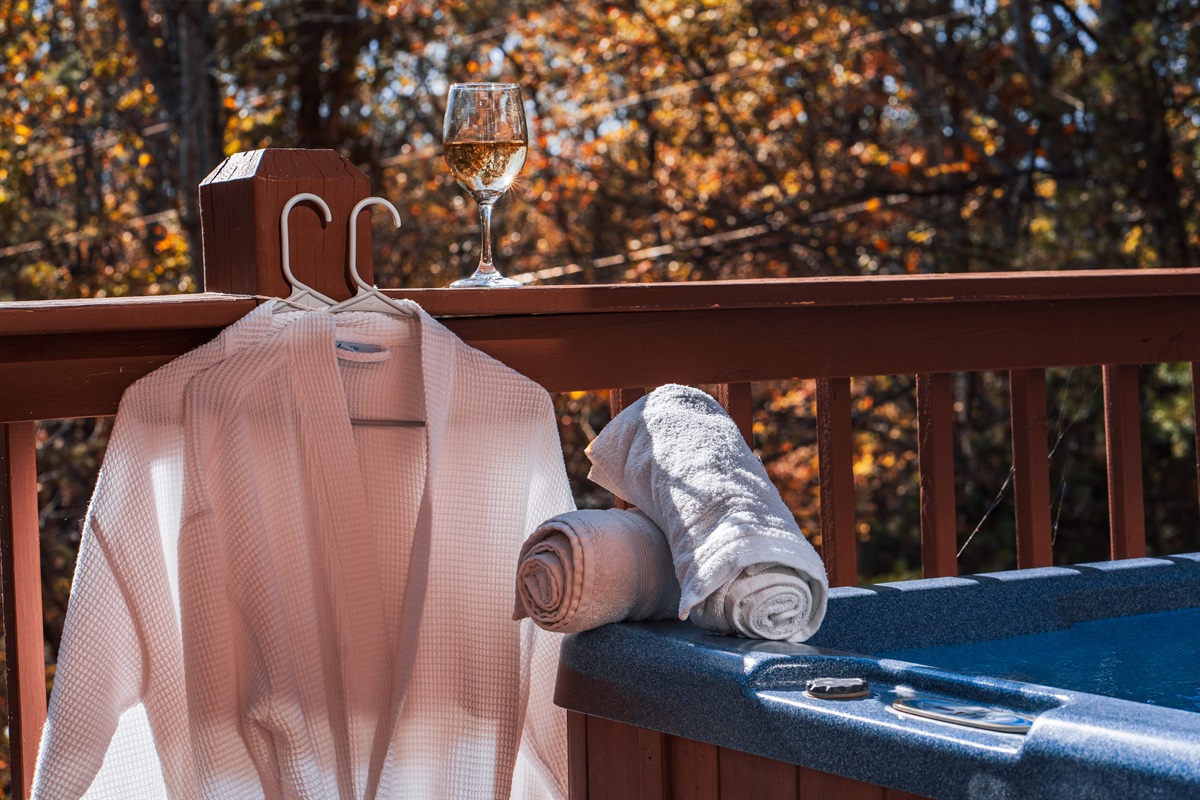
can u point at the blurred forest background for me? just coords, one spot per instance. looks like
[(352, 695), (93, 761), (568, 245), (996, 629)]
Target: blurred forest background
[(671, 141)]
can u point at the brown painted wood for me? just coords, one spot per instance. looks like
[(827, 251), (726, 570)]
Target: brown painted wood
[(835, 462), (577, 756), (240, 203), (1031, 467), (694, 769), (744, 775), (1123, 448), (613, 764), (1196, 417), (896, 794), (735, 399), (816, 785), (569, 352), (589, 349), (654, 771), (618, 401), (20, 571), (982, 289), (621, 399), (935, 437)]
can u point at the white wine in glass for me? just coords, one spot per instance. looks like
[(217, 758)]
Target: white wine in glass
[(484, 140)]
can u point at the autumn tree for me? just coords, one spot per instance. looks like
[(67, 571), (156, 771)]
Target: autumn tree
[(671, 141)]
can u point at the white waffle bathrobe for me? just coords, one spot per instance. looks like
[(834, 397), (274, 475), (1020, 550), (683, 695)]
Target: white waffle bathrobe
[(273, 602)]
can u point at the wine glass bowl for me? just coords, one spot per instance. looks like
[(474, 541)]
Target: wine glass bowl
[(484, 142)]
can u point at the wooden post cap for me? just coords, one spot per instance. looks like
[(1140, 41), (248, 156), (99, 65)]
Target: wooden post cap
[(240, 203)]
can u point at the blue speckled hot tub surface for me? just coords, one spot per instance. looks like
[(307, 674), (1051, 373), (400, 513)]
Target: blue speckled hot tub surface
[(749, 695)]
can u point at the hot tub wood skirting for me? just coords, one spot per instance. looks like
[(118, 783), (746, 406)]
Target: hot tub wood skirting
[(614, 761), (74, 358)]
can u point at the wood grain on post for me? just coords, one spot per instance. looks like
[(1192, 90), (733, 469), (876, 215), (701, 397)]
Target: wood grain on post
[(695, 771), (240, 203), (618, 401), (1196, 416), (823, 786), (612, 753), (735, 399), (20, 562), (747, 775), (935, 456), (577, 756), (1031, 467), (1123, 449), (835, 461), (653, 767)]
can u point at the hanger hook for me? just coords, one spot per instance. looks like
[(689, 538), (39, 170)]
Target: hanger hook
[(370, 201), (283, 232)]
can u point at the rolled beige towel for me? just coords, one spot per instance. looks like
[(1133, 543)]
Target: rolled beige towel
[(585, 569)]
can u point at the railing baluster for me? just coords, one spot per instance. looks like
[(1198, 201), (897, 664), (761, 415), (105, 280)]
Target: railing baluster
[(618, 401), (735, 398), (835, 459), (1123, 447), (935, 456), (20, 561), (1031, 467), (1196, 417), (621, 399)]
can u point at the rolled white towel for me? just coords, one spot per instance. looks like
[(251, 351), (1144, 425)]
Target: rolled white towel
[(762, 602), (585, 569), (678, 457)]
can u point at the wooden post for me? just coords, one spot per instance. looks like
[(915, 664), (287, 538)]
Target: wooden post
[(835, 462), (618, 401), (240, 203), (735, 399), (935, 457), (20, 560), (1123, 447), (1196, 418), (1031, 467)]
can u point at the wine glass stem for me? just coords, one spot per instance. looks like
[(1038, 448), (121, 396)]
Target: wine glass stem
[(485, 224)]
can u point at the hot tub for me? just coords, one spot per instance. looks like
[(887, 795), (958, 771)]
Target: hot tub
[(981, 651)]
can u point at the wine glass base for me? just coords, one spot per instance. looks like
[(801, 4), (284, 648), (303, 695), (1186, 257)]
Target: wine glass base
[(485, 280)]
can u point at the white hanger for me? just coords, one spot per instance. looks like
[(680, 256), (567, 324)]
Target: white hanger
[(302, 296), (368, 297)]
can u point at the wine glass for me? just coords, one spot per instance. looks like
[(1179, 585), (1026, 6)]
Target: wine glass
[(484, 141)]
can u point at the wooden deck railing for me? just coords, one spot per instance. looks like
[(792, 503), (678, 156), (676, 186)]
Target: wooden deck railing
[(74, 358)]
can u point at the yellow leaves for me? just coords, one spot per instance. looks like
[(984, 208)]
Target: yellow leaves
[(21, 133), (1132, 239), (864, 465), (1040, 226), (144, 160), (1045, 188), (922, 234), (129, 99), (874, 204)]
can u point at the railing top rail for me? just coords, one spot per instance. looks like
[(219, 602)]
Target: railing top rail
[(204, 310)]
